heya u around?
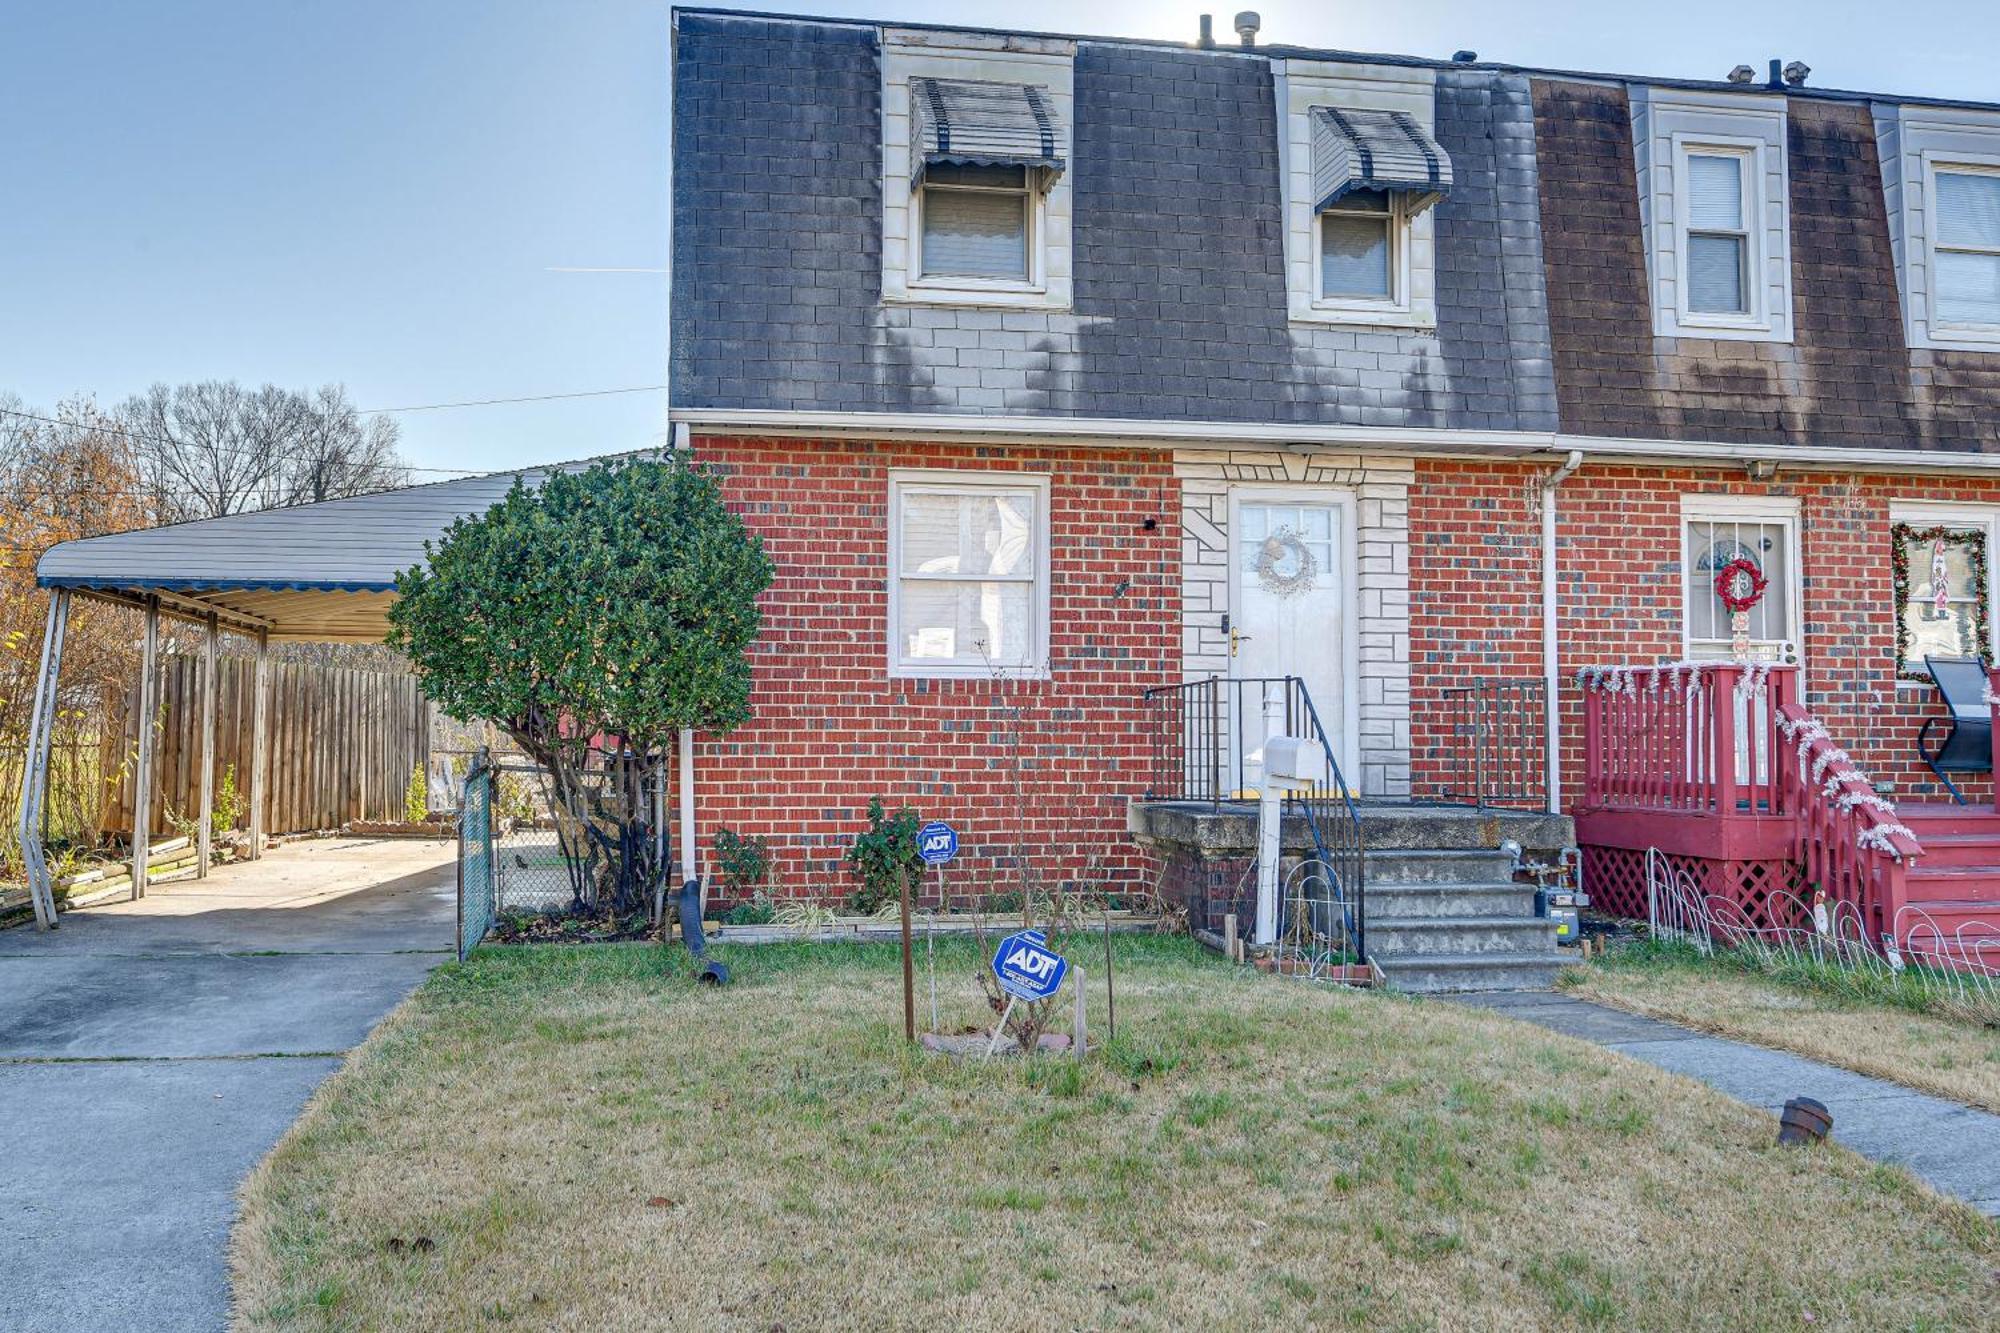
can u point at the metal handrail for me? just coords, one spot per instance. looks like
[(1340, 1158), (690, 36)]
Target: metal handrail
[(1199, 735), (1494, 744)]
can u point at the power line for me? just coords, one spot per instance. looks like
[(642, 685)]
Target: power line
[(534, 398), (106, 428)]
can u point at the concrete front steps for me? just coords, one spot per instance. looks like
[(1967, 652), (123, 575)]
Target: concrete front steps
[(1442, 909), (1448, 915)]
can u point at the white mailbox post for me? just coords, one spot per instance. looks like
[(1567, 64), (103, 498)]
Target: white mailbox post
[(1291, 763)]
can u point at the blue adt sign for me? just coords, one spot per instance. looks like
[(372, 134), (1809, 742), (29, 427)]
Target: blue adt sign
[(1026, 968), (937, 842)]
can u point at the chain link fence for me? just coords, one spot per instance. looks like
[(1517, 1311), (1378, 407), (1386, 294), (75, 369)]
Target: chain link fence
[(511, 857), (477, 882)]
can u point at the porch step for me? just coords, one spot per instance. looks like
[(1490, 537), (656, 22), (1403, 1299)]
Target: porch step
[(1957, 849), (1973, 884), (1391, 937), (1428, 974), (1977, 918), (1932, 818), (1500, 898), (1400, 866)]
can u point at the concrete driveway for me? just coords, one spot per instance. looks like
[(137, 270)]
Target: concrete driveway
[(152, 1052)]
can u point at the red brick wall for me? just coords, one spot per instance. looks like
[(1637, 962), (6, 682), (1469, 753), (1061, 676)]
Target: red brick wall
[(1475, 594), (831, 728)]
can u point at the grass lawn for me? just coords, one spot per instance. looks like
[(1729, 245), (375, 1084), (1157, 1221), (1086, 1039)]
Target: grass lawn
[(577, 1137), (1868, 1024)]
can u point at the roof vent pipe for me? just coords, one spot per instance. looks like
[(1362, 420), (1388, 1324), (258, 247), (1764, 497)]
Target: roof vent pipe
[(1247, 24), (1464, 57), (1207, 38), (1777, 74), (1796, 72)]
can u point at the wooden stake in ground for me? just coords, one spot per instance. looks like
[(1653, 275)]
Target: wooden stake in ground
[(909, 969)]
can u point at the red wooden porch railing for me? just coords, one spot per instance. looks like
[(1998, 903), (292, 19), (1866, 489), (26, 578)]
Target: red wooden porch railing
[(1718, 765), (1685, 756), (1849, 844)]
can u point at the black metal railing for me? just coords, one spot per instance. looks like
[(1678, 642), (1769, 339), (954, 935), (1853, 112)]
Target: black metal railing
[(1207, 746), (1489, 743)]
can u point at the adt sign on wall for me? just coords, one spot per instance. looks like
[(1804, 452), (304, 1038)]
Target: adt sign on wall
[(1026, 968), (937, 842)]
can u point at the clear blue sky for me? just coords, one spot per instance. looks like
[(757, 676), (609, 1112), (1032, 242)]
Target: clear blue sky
[(372, 191)]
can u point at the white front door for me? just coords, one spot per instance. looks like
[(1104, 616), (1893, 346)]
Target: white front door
[(1288, 612)]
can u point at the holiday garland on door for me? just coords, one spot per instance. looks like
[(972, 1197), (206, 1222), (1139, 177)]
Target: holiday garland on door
[(1901, 535)]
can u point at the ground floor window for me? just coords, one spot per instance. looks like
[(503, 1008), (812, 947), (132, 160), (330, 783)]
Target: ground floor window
[(969, 591), (1942, 587)]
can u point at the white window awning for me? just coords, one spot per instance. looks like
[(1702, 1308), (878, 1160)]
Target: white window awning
[(967, 123), (1376, 150)]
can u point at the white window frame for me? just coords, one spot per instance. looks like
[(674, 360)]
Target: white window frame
[(1748, 157), (1667, 125), (932, 482), (1913, 143), (1930, 514), (1045, 62), (1939, 325), (1398, 227), (1782, 510), (1299, 86), (1034, 206)]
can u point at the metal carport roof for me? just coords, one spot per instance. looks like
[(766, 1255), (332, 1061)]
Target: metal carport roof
[(321, 572)]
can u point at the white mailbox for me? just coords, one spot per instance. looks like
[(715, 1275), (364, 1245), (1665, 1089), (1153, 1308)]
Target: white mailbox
[(1295, 759)]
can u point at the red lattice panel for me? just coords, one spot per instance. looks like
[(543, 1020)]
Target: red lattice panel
[(1615, 879)]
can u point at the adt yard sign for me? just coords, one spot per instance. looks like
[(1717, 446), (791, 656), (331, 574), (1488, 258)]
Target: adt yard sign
[(937, 842), (1026, 968)]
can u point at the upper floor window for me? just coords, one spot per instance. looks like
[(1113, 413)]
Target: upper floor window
[(1966, 263), (1361, 171), (1357, 248), (1718, 236), (1941, 187), (975, 185), (977, 223), (1713, 202)]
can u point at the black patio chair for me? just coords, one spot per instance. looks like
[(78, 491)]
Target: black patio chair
[(1966, 744)]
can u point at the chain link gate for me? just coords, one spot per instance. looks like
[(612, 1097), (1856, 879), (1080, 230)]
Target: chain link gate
[(478, 884)]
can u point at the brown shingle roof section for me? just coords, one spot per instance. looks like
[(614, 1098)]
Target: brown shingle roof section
[(1846, 381)]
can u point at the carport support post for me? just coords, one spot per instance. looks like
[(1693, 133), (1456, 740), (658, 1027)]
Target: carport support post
[(142, 778), (260, 758), (35, 763), (204, 834)]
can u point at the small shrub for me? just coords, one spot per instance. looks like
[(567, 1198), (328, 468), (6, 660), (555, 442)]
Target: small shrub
[(417, 796), (745, 863), (758, 910), (884, 857), (228, 804)]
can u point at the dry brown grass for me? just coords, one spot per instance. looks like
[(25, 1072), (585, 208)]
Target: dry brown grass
[(1955, 1057), (1251, 1152)]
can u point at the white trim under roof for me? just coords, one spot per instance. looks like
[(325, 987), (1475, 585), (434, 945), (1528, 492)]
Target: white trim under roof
[(1122, 431)]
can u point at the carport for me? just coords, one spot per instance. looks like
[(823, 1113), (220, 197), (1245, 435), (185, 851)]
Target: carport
[(323, 572)]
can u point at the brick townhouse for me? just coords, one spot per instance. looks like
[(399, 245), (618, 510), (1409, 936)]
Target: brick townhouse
[(1057, 368), (1107, 405)]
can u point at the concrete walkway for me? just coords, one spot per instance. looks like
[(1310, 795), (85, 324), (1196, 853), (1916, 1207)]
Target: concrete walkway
[(1954, 1148), (151, 1053)]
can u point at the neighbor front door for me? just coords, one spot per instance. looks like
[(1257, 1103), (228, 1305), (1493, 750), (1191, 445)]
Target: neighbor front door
[(1287, 610)]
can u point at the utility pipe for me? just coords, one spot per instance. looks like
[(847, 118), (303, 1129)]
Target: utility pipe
[(1551, 674), (689, 870)]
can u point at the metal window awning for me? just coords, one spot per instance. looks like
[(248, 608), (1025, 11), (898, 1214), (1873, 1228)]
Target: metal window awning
[(966, 123), (1376, 150)]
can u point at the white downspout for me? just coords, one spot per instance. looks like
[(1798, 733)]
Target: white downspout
[(689, 870), (1551, 672)]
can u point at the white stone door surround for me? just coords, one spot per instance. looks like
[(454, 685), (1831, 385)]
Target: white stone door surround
[(1377, 667)]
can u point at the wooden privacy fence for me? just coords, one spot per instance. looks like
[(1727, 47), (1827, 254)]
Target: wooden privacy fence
[(342, 744)]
